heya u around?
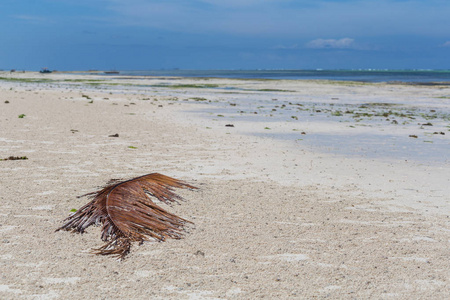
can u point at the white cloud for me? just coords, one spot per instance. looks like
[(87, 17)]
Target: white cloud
[(446, 44), (344, 43)]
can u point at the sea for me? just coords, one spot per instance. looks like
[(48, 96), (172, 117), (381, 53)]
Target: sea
[(366, 75)]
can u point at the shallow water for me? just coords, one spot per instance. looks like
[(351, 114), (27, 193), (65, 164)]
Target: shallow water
[(390, 132), (432, 150)]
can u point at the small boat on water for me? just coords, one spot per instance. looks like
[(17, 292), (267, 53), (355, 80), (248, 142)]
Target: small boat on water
[(111, 72), (45, 71)]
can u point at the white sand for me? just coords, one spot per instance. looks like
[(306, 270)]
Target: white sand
[(274, 218)]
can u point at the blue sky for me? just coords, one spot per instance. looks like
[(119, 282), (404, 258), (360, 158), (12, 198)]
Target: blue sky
[(224, 34)]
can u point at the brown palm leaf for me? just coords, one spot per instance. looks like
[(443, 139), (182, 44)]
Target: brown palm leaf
[(127, 213)]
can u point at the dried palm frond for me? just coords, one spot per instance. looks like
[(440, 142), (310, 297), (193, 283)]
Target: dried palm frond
[(128, 214)]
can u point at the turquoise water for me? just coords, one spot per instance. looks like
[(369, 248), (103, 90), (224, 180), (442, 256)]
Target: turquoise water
[(422, 76)]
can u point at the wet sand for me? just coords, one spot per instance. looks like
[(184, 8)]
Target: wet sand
[(279, 214)]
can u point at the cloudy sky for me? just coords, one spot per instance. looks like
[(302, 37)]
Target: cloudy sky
[(224, 34)]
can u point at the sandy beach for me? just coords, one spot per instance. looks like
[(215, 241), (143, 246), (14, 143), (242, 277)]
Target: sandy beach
[(307, 189)]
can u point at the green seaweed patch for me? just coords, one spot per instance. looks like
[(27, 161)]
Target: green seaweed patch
[(83, 80), (26, 80), (21, 116), (428, 116), (198, 99), (336, 113), (363, 114), (380, 104), (132, 147)]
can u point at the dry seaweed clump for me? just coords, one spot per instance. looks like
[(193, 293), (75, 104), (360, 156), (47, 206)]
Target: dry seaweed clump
[(15, 158), (127, 213)]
